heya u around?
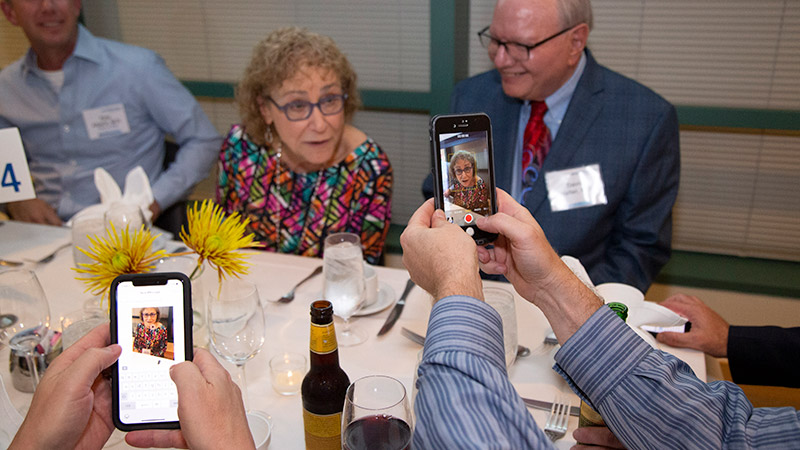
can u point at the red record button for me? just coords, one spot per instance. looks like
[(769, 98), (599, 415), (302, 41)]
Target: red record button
[(468, 218)]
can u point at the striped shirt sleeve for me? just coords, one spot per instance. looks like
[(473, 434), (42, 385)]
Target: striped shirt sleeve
[(651, 399), (465, 399)]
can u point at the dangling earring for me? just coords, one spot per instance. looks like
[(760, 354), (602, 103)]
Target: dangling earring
[(268, 134)]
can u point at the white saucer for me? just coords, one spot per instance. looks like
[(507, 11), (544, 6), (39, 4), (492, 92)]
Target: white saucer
[(385, 299)]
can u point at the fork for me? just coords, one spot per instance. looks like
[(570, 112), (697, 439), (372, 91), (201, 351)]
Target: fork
[(52, 255), (289, 296), (556, 426)]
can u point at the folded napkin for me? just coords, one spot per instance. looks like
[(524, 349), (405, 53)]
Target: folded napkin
[(640, 312), (137, 192), (31, 242)]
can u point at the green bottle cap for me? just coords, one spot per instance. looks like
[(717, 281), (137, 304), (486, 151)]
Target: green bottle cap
[(620, 308)]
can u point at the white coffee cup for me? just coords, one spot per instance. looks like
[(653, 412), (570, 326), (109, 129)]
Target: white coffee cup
[(370, 285)]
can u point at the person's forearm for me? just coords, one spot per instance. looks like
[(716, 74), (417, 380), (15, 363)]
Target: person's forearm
[(565, 301), (651, 399), (465, 399)]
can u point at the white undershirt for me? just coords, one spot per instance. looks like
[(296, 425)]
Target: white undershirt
[(55, 77)]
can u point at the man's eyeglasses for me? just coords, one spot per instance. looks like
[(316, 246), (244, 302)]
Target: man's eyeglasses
[(517, 51), (467, 170), (297, 110)]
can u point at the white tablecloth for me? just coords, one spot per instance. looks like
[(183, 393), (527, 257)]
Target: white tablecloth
[(288, 327)]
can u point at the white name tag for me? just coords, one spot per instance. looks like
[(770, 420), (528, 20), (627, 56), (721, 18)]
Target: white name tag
[(575, 188), (15, 178), (106, 121)]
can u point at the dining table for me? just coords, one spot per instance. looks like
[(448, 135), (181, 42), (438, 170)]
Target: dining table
[(288, 328)]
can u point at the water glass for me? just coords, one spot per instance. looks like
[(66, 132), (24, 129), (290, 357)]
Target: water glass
[(376, 415), (77, 324), (343, 264), (236, 324), (502, 300), (125, 215), (83, 227)]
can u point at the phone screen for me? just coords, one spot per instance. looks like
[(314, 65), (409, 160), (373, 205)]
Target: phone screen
[(465, 174), (149, 323)]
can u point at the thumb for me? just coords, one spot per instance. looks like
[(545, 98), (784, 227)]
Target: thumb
[(93, 361), (187, 376), (438, 219)]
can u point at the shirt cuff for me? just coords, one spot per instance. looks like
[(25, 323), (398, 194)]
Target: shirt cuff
[(600, 355), (466, 324)]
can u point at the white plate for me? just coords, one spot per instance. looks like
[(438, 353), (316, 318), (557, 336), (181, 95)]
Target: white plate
[(385, 299)]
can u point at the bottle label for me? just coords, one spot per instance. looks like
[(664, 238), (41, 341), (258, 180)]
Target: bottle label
[(323, 338), (322, 431), (589, 417)]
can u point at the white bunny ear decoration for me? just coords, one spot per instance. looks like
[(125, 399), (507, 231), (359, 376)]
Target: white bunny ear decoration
[(106, 186), (137, 188)]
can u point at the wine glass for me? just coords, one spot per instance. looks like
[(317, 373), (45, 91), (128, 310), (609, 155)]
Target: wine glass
[(124, 215), (24, 315), (236, 324), (376, 415), (343, 264)]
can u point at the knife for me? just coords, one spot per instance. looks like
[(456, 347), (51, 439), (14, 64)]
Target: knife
[(538, 404), (398, 308)]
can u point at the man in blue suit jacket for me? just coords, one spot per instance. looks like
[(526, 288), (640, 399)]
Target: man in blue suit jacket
[(597, 118)]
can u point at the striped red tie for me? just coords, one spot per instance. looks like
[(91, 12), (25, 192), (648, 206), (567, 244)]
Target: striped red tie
[(537, 144)]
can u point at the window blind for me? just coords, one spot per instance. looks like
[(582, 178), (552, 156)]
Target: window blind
[(733, 53), (386, 40)]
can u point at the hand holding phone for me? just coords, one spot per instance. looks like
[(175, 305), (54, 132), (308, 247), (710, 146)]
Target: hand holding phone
[(463, 174), (151, 319)]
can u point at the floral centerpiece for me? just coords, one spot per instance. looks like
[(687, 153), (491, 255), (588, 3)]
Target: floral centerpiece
[(215, 238)]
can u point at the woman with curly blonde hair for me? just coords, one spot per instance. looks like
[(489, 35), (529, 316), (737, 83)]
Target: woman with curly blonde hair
[(296, 167)]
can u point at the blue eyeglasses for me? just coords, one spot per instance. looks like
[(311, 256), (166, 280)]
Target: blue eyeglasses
[(298, 110)]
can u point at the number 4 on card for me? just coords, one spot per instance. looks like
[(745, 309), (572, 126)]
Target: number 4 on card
[(9, 179)]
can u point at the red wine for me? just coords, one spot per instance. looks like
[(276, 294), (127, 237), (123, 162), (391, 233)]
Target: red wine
[(377, 433)]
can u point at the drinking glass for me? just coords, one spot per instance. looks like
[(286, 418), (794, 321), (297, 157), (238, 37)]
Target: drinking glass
[(124, 215), (343, 264), (376, 415), (83, 227), (236, 324), (24, 315), (502, 300)]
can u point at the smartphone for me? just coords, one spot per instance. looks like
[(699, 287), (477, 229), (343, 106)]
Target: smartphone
[(463, 172), (654, 330), (151, 319)]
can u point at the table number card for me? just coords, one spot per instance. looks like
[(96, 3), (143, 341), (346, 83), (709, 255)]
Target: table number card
[(15, 179)]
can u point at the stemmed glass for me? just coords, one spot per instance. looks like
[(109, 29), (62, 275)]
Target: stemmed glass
[(24, 315), (236, 324), (343, 264), (125, 215), (376, 415)]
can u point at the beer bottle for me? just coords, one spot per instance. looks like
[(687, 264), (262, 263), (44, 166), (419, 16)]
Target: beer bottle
[(325, 384), (589, 417)]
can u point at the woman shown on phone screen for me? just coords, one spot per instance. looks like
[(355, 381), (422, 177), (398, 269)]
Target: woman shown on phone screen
[(150, 335), (466, 188)]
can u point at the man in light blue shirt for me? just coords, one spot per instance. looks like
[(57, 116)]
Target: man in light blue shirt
[(648, 398), (82, 102)]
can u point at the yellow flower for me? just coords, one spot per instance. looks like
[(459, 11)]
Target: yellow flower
[(120, 252), (216, 239)]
